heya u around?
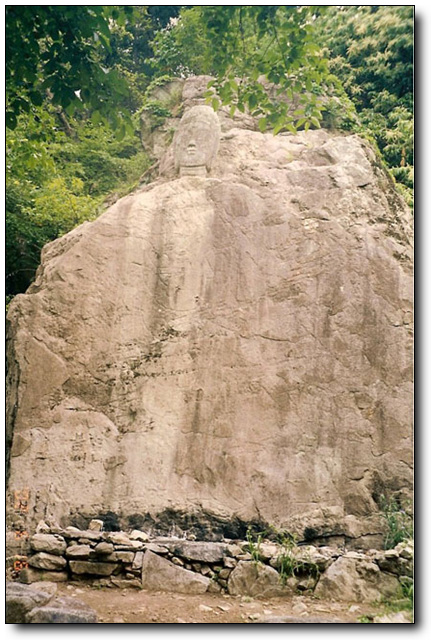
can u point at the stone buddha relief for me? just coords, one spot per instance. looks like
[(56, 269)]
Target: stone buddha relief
[(196, 141)]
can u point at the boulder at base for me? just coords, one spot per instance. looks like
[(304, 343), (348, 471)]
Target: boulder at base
[(255, 579), (352, 581), (159, 574)]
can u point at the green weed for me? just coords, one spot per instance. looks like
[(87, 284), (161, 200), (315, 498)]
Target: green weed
[(290, 564), (399, 523), (365, 620), (253, 544)]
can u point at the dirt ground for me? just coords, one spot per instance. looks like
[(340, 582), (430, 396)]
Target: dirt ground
[(129, 606)]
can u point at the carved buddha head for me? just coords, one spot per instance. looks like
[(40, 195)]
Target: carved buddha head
[(196, 141)]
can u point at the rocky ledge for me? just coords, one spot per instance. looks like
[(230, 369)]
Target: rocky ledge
[(263, 569)]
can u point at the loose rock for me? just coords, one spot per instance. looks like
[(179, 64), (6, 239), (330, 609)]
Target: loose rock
[(104, 548), (137, 562), (21, 599), (30, 575), (198, 551), (293, 620), (95, 525), (139, 535), (63, 610)]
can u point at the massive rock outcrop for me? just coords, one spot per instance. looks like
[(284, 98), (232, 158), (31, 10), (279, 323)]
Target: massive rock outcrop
[(237, 342)]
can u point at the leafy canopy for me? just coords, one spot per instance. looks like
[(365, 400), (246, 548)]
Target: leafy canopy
[(74, 77), (55, 181), (370, 50), (57, 51), (256, 54)]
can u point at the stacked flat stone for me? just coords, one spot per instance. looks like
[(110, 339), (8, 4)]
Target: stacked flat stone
[(119, 559)]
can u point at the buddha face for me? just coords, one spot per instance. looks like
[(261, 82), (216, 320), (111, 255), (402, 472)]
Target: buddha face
[(197, 141)]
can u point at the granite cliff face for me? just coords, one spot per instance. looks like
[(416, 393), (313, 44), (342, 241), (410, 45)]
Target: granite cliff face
[(238, 343)]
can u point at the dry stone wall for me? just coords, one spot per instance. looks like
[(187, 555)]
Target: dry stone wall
[(238, 344), (240, 568)]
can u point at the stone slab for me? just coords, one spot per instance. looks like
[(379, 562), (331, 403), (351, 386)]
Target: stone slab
[(30, 575), (49, 543), (82, 567), (79, 552), (47, 561), (158, 574), (198, 551)]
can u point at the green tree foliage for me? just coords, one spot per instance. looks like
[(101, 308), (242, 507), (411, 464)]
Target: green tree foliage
[(58, 50), (74, 78), (250, 50), (86, 56), (181, 49), (370, 50), (130, 51), (55, 181)]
